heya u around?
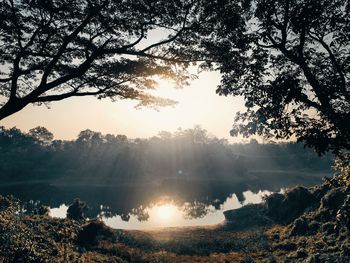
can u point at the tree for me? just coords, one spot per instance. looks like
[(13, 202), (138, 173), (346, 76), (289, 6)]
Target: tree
[(41, 134), (52, 49), (290, 61), (90, 138)]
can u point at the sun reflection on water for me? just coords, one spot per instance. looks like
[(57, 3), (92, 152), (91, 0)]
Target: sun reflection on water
[(165, 212)]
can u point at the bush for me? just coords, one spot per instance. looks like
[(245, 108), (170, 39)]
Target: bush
[(33, 238), (92, 232), (289, 206), (76, 210)]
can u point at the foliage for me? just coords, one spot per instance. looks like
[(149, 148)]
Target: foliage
[(290, 62), (42, 210), (32, 238), (41, 134), (288, 59), (76, 210), (52, 50), (341, 168), (184, 154)]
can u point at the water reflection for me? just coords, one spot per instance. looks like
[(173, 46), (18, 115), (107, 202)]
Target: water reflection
[(60, 211), (170, 215), (170, 203), (166, 213)]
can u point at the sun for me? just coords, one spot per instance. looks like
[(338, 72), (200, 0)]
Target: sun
[(165, 212)]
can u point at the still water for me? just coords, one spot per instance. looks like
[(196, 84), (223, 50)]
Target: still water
[(167, 213), (169, 203)]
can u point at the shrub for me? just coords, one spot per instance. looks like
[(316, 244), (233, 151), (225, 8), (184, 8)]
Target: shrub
[(76, 210)]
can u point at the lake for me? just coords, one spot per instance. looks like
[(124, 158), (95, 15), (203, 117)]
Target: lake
[(167, 212), (169, 203)]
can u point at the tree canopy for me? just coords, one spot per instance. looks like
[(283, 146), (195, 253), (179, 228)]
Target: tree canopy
[(290, 61), (52, 49), (184, 154)]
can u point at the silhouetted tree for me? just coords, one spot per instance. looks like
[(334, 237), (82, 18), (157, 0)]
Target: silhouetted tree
[(56, 49), (41, 134), (96, 158), (290, 61)]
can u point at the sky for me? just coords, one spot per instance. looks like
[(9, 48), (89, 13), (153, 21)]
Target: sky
[(198, 104)]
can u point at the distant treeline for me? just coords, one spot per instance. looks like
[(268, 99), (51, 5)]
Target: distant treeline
[(186, 153)]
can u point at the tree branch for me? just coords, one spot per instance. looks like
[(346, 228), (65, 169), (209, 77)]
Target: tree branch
[(5, 80), (311, 78), (332, 57), (58, 97), (160, 43), (65, 43), (76, 93)]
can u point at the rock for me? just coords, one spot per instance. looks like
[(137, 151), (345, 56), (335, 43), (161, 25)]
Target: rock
[(299, 227)]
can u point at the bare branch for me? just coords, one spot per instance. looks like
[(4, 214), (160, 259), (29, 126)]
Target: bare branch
[(171, 39), (5, 80)]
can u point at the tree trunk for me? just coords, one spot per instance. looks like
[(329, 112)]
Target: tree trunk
[(11, 107)]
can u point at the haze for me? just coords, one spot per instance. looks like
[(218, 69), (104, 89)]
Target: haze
[(197, 105)]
